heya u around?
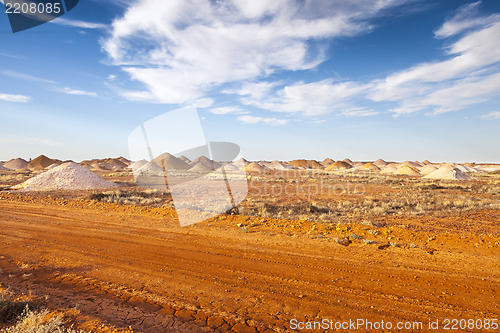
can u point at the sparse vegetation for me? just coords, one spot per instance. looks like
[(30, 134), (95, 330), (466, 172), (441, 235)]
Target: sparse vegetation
[(154, 198), (343, 197), (40, 322), (11, 309)]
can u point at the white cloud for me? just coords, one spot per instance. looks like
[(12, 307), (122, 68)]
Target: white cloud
[(78, 24), (15, 98), (466, 18), (23, 76), (470, 75), (359, 112), (184, 49), (492, 115), (257, 90), (77, 92), (268, 121), (203, 102), (228, 110), (311, 99)]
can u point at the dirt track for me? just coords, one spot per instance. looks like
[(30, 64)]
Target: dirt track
[(129, 268)]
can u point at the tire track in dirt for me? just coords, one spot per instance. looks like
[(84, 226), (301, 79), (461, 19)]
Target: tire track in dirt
[(196, 259)]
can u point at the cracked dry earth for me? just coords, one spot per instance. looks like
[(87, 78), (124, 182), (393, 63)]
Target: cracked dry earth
[(130, 268)]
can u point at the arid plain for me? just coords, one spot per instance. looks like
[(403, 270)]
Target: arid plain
[(338, 240)]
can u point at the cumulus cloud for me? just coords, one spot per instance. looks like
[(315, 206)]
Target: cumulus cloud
[(15, 98), (186, 48), (268, 121)]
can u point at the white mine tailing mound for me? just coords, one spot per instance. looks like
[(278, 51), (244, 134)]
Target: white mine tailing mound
[(427, 169), (464, 168), (138, 164), (231, 167), (67, 176), (448, 172), (149, 167), (389, 169), (276, 165), (16, 164)]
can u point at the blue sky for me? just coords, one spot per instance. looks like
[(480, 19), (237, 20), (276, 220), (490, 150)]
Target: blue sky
[(393, 79)]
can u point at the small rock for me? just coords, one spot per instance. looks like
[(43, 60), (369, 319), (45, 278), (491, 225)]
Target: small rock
[(343, 241)]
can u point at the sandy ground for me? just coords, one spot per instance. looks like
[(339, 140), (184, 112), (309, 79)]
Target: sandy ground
[(131, 267)]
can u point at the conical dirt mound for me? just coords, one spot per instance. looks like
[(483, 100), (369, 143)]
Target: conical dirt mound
[(412, 164), (408, 171), (255, 167), (42, 162), (16, 164), (149, 167), (427, 169), (184, 159), (380, 163), (206, 162), (389, 169), (138, 164), (370, 166), (339, 165), (171, 162), (308, 164), (67, 176), (277, 165), (200, 166), (448, 172), (327, 161), (348, 161)]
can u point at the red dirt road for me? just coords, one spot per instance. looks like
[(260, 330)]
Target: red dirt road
[(131, 268)]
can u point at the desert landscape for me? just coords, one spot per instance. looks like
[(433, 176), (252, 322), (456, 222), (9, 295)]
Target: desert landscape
[(374, 244)]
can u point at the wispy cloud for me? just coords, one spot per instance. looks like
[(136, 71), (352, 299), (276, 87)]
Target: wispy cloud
[(268, 121), (23, 76), (15, 98), (217, 42), (14, 56), (492, 115), (469, 75), (79, 24), (228, 110), (467, 17), (77, 92), (29, 141), (359, 112), (310, 99)]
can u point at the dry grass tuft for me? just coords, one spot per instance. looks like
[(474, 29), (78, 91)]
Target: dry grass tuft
[(40, 322)]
